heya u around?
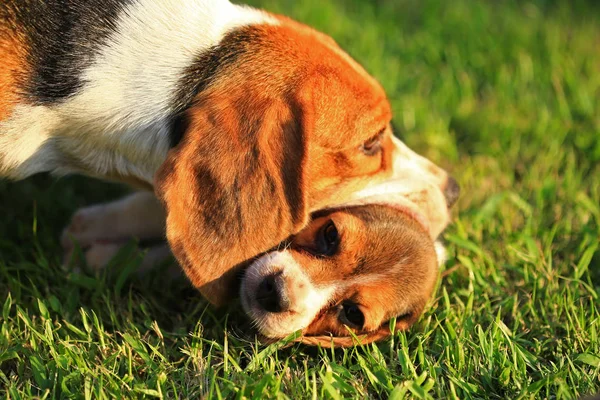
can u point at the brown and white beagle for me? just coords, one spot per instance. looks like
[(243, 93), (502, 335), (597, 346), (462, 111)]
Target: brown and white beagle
[(342, 278), (243, 122)]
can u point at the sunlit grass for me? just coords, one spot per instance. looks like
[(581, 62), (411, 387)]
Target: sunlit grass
[(506, 96)]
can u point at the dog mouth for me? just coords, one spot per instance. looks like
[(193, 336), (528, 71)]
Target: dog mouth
[(261, 319)]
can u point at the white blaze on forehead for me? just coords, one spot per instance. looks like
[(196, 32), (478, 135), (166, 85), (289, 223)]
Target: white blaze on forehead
[(304, 309)]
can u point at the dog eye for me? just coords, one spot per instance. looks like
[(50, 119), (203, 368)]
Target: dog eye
[(352, 316), (328, 240), (373, 145)]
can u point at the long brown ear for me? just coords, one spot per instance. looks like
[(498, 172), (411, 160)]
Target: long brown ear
[(234, 186)]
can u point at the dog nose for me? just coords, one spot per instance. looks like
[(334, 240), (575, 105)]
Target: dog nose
[(271, 294), (452, 191)]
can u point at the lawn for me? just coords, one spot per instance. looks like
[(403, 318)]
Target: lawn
[(505, 95)]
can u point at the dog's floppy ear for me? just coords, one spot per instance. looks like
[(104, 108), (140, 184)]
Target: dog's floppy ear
[(234, 186)]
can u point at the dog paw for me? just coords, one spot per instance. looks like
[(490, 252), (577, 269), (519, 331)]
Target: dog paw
[(89, 225), (96, 256), (99, 255), (101, 230)]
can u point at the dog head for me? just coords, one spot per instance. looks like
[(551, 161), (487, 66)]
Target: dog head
[(349, 272), (282, 123)]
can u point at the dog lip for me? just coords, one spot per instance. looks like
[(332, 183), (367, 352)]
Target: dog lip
[(393, 194)]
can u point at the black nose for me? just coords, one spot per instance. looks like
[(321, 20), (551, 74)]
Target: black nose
[(452, 191), (271, 294)]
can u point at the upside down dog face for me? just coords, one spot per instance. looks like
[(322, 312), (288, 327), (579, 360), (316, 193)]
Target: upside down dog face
[(287, 124), (351, 268)]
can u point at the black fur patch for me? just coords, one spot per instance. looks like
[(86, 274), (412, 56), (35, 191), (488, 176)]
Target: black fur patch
[(179, 124), (204, 70), (64, 36), (221, 212), (215, 211), (361, 268), (207, 65), (293, 159)]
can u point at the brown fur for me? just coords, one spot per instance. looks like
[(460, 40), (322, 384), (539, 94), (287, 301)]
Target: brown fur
[(273, 135), (385, 264), (13, 65), (273, 139), (387, 259)]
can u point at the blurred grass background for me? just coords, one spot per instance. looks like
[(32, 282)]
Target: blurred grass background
[(505, 95)]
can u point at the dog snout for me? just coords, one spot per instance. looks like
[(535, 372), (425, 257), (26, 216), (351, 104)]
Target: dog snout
[(271, 294), (451, 191)]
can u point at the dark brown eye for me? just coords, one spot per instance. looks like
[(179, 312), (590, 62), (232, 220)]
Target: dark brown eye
[(373, 145), (327, 240), (351, 315)]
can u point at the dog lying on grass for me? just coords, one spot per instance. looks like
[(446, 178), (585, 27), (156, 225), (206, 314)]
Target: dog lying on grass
[(344, 277), (352, 269), (242, 122)]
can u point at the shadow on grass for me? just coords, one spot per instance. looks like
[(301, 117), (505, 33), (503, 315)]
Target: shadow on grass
[(36, 210)]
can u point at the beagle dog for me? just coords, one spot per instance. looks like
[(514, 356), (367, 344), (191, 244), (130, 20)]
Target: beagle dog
[(242, 122), (342, 279), (339, 280)]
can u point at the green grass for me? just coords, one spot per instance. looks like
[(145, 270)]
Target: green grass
[(506, 96)]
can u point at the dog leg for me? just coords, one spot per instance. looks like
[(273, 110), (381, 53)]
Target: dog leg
[(139, 215), (99, 254), (101, 230)]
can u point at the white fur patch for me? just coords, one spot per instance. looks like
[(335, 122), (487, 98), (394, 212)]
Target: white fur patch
[(301, 314), (440, 251), (21, 138), (134, 79), (117, 123)]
